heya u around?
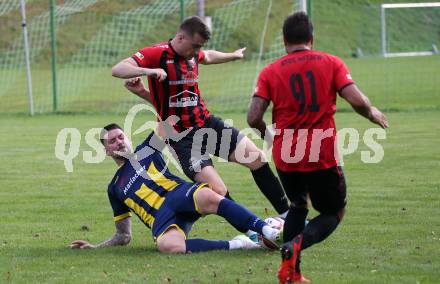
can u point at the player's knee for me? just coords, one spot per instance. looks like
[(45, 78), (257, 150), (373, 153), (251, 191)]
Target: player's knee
[(219, 189), (258, 161), (170, 247), (214, 181), (262, 156), (214, 200), (172, 241), (208, 201), (261, 159)]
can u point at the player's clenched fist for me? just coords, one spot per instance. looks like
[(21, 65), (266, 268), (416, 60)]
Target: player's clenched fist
[(157, 73), (135, 85)]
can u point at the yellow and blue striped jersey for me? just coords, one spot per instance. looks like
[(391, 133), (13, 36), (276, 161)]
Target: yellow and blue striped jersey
[(141, 184)]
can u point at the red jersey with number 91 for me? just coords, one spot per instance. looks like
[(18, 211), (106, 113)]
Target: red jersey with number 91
[(302, 87)]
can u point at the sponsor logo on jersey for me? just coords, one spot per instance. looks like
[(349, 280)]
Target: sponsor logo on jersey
[(184, 99), (133, 179), (139, 55), (170, 61), (190, 79), (191, 82)]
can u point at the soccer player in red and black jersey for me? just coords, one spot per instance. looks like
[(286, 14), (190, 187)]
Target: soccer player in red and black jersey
[(172, 70), (302, 87)]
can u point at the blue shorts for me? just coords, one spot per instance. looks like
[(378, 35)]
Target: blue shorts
[(179, 210)]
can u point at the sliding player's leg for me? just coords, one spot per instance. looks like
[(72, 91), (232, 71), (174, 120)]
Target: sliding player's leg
[(178, 213), (209, 202), (174, 241)]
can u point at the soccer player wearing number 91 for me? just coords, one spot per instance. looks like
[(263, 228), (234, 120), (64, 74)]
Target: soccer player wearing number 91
[(302, 87)]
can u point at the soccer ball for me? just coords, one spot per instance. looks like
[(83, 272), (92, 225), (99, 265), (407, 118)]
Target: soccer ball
[(276, 223)]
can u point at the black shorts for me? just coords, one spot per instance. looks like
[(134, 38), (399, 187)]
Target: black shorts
[(326, 188), (214, 138)]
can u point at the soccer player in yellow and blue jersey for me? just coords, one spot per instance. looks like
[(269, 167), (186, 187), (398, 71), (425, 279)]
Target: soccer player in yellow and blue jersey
[(165, 203)]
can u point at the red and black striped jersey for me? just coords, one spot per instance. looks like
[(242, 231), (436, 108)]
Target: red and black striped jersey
[(179, 94)]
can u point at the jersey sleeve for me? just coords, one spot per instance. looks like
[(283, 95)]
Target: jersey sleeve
[(342, 76), (146, 57), (150, 149), (120, 210), (263, 89), (201, 56)]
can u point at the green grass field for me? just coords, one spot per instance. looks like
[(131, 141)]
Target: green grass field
[(391, 233)]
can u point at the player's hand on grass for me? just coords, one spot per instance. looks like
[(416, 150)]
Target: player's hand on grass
[(239, 53), (377, 117), (157, 73), (135, 85), (79, 244)]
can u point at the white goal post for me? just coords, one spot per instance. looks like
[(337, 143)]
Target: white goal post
[(383, 7)]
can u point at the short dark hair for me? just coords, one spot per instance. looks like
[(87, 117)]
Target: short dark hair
[(196, 25), (107, 128), (297, 28)]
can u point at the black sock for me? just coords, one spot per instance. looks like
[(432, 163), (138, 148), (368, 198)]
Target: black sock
[(228, 196), (318, 229), (294, 223), (270, 186)]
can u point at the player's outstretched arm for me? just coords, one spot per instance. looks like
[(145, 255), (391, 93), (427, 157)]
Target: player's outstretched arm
[(362, 105), (121, 238), (128, 68), (137, 87), (216, 57)]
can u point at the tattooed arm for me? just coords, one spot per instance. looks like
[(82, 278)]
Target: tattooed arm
[(255, 115), (121, 238)]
